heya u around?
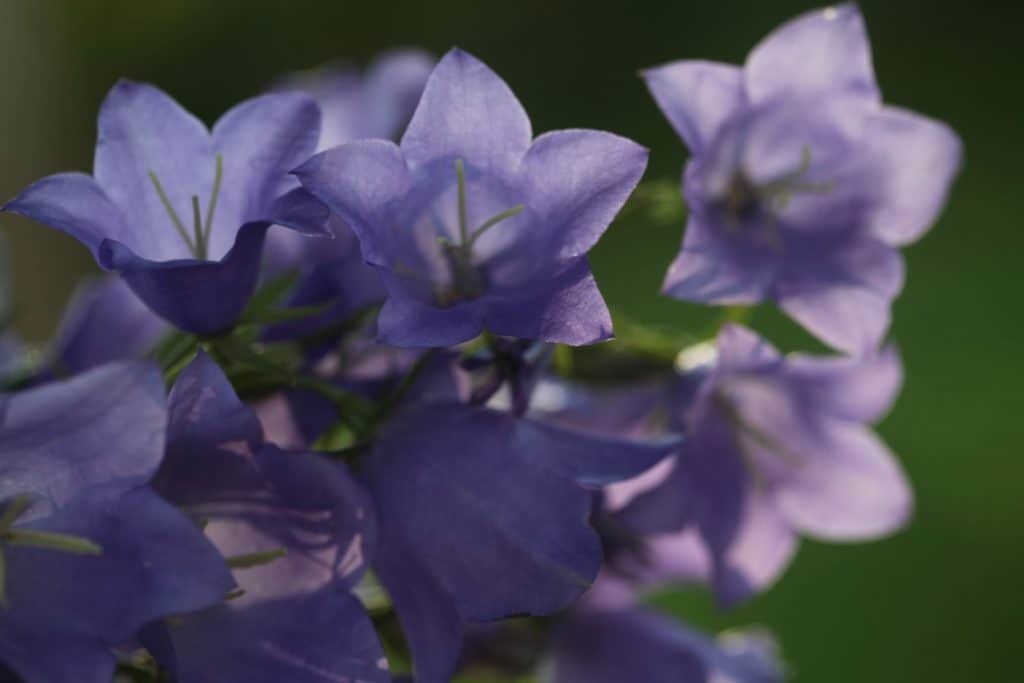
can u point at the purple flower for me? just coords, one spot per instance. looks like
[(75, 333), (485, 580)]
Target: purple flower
[(483, 515), (104, 322), (633, 644), (90, 552), (776, 447), (297, 529), (802, 185), (179, 211), (475, 225)]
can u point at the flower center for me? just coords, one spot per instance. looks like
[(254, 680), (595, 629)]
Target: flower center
[(467, 282), (745, 203), (199, 244)]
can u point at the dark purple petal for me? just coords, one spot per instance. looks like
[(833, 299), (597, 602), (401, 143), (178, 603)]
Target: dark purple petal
[(821, 50), (202, 297), (567, 309), (467, 112), (315, 638), (576, 181), (73, 203), (142, 130), (405, 322), (696, 97), (104, 322)]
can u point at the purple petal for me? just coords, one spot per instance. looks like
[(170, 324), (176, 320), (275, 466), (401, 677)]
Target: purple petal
[(405, 322), (825, 49), (568, 309), (919, 158), (104, 322), (450, 477), (576, 181), (696, 97), (708, 271), (142, 130), (359, 181), (105, 426), (740, 347), (843, 297), (467, 111), (81, 658), (261, 141), (854, 489), (73, 203), (315, 638), (854, 389), (201, 297)]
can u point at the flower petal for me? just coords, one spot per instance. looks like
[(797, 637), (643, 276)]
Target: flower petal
[(143, 130), (842, 294), (696, 97), (261, 140), (568, 309), (855, 389), (467, 111), (201, 297), (824, 49), (576, 181), (74, 204), (919, 158)]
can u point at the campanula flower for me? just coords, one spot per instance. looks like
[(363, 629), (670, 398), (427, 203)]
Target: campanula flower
[(472, 223), (179, 211), (90, 553), (802, 185), (777, 447), (483, 514), (296, 528)]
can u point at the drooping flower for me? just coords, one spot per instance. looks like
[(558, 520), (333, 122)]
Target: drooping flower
[(802, 185), (90, 554), (483, 514), (179, 211), (298, 531), (472, 223), (635, 644), (777, 447)]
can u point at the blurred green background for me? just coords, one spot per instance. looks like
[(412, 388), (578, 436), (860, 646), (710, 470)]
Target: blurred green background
[(939, 602)]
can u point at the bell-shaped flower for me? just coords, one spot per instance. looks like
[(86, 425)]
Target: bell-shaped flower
[(802, 185), (474, 224), (181, 212)]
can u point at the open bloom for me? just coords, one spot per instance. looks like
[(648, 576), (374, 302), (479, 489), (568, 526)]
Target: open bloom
[(296, 528), (802, 185), (483, 514), (776, 447), (90, 554), (472, 223), (182, 212)]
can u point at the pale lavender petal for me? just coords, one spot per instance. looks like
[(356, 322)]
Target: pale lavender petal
[(855, 389), (696, 97), (467, 111), (825, 49), (918, 159), (143, 130), (74, 204), (576, 181)]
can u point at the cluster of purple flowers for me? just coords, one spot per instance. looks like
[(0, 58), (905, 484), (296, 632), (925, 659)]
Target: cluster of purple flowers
[(321, 424)]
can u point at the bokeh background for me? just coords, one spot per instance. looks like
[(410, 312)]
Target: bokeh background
[(940, 602)]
